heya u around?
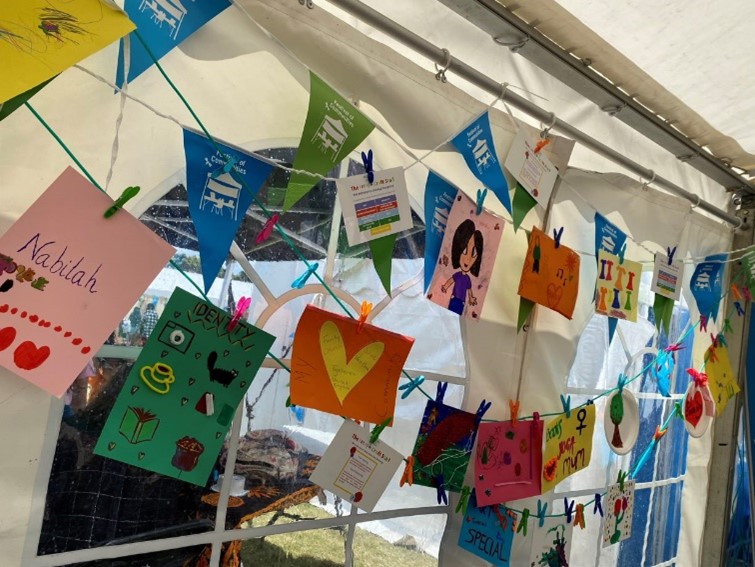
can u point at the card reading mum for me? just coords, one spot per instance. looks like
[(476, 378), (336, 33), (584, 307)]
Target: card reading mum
[(67, 277), (568, 445), (340, 367), (180, 397)]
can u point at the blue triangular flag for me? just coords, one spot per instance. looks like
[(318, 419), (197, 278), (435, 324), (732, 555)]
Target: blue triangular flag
[(475, 144), (163, 24), (439, 198), (706, 285), (217, 197), (610, 238)]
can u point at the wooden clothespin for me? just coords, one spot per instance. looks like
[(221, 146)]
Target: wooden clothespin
[(579, 516)]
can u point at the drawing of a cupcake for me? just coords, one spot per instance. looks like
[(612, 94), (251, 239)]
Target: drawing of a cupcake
[(187, 454)]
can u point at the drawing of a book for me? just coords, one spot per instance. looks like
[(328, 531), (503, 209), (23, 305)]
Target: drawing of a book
[(138, 425)]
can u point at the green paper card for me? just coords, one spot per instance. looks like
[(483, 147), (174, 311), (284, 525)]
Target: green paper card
[(179, 399)]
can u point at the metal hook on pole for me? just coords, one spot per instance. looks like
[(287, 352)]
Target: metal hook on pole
[(651, 180), (547, 129), (441, 71)]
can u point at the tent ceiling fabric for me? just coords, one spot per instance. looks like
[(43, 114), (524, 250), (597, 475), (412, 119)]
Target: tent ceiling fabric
[(676, 61)]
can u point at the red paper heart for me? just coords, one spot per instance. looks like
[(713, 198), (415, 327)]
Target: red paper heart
[(7, 336), (28, 357), (555, 292), (693, 408)]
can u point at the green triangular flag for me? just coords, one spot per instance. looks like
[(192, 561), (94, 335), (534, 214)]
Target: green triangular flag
[(10, 105), (522, 204), (663, 307), (334, 127), (382, 255), (525, 308)]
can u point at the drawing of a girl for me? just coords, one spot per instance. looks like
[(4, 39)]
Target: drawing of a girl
[(466, 256)]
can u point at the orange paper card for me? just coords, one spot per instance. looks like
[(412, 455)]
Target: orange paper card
[(550, 275), (341, 369)]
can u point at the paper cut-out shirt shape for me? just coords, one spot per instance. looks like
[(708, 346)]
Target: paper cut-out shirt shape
[(618, 511), (618, 287), (488, 531), (66, 282), (341, 369), (467, 255), (550, 276), (508, 461), (568, 445), (179, 399)]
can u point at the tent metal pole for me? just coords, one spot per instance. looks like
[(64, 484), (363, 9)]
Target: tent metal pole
[(436, 54)]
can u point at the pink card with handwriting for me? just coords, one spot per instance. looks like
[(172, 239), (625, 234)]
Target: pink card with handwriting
[(67, 277)]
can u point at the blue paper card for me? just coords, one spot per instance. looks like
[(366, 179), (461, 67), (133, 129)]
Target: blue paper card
[(488, 532), (439, 198), (706, 285), (217, 198), (475, 144), (163, 24)]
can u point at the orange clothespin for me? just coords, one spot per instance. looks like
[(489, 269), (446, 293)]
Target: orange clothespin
[(514, 408), (541, 144), (408, 476), (579, 516), (364, 313), (659, 433), (735, 292)]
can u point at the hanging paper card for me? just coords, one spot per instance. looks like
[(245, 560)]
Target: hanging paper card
[(338, 368), (218, 199), (621, 421), (550, 275), (551, 543), (439, 198), (179, 399), (698, 408), (619, 509), (617, 287), (444, 445), (355, 469), (475, 144), (374, 210), (465, 264), (488, 532), (163, 25), (533, 170), (41, 38), (334, 127), (721, 378), (66, 282), (508, 461), (667, 278), (706, 287), (568, 445)]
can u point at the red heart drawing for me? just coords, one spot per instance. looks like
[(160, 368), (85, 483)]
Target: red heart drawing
[(28, 357), (7, 336), (555, 292), (693, 408)]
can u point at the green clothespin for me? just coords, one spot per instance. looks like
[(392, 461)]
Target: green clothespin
[(678, 410), (128, 194), (727, 327), (522, 527), (378, 430), (463, 499), (622, 477)]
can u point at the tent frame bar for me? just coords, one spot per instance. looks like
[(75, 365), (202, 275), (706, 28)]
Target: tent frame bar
[(442, 57)]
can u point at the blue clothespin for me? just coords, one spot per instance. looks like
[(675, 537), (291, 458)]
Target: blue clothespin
[(441, 392), (481, 194), (484, 407), (542, 508), (671, 252), (410, 386), (622, 382), (128, 194), (566, 403), (368, 169), (557, 235), (621, 253), (441, 490), (569, 507), (378, 430), (302, 279), (740, 310), (598, 506)]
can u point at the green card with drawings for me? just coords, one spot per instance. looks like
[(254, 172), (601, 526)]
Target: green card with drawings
[(182, 392)]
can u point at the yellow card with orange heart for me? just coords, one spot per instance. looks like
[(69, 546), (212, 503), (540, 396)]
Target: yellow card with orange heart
[(339, 368)]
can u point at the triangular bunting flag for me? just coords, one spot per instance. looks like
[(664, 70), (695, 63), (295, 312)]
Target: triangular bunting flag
[(439, 198), (523, 204), (612, 239), (334, 127), (13, 104), (525, 309), (663, 307), (219, 196), (163, 24), (382, 254), (706, 285)]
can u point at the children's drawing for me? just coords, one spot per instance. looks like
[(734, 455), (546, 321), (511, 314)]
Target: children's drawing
[(622, 421), (344, 369), (551, 543), (465, 263), (618, 509), (698, 407), (618, 287), (568, 445), (508, 461), (721, 379), (488, 531), (179, 398), (550, 276)]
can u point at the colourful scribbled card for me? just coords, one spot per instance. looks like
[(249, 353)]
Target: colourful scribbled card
[(618, 510), (67, 277), (182, 393), (355, 469), (508, 461), (568, 445), (618, 287), (338, 368), (41, 38), (550, 276), (551, 543), (721, 380), (488, 531), (467, 255)]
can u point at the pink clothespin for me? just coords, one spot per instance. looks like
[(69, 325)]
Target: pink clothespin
[(364, 313), (267, 230), (241, 308), (700, 378), (673, 347)]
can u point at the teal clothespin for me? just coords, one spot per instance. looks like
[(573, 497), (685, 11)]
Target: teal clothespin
[(542, 508), (128, 194), (463, 499), (227, 167), (481, 194), (622, 382), (302, 279), (566, 403), (412, 385), (378, 430), (721, 339), (621, 253)]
